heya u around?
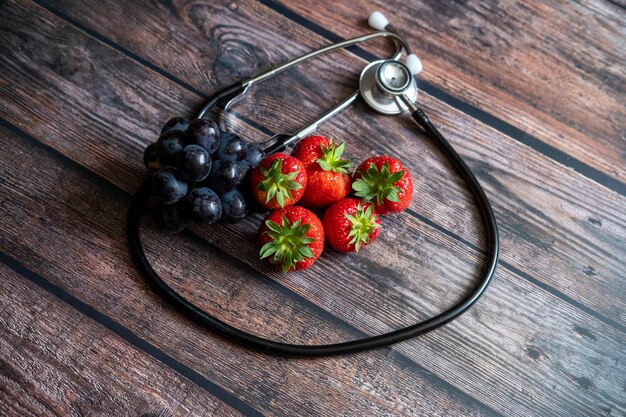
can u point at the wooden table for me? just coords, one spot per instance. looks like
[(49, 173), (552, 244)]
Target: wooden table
[(530, 93)]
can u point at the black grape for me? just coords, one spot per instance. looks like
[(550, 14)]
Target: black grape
[(167, 187), (194, 163), (177, 123), (203, 205), (150, 158), (234, 206), (169, 145), (171, 218), (203, 133), (253, 205), (231, 147), (254, 155), (244, 168), (224, 176)]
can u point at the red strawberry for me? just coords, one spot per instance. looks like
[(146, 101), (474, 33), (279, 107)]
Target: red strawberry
[(328, 178), (385, 182), (309, 149), (278, 181), (350, 224), (292, 237)]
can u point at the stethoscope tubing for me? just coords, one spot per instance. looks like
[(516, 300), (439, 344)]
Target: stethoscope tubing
[(287, 349), (273, 347)]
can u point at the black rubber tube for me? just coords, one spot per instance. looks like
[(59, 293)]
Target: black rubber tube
[(286, 349)]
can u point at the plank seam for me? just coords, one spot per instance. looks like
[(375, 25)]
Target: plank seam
[(524, 275), (483, 116), (126, 334), (435, 379), (615, 3), (576, 304)]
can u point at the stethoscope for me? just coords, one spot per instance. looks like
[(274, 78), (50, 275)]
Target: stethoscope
[(389, 87)]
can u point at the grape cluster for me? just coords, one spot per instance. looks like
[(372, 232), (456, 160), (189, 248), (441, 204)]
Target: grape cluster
[(200, 174)]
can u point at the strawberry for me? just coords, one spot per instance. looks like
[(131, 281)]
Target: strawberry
[(292, 237), (350, 224), (328, 178), (278, 181), (385, 182), (309, 149)]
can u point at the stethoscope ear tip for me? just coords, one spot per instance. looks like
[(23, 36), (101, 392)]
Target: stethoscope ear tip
[(414, 64), (378, 21)]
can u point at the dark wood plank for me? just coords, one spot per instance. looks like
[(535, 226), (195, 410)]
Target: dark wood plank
[(71, 231), (56, 361), (440, 364), (553, 70), (529, 205)]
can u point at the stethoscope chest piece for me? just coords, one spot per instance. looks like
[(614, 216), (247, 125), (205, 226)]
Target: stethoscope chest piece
[(384, 83)]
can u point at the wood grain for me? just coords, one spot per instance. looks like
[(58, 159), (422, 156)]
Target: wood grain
[(466, 362), (538, 325), (553, 70), (530, 206), (55, 361), (84, 253)]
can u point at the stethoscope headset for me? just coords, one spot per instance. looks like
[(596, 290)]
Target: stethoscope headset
[(389, 87)]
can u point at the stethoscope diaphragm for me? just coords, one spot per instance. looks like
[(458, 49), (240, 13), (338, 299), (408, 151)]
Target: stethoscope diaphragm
[(383, 84)]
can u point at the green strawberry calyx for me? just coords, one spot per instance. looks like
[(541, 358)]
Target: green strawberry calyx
[(364, 223), (378, 185), (331, 158), (277, 184), (289, 244)]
